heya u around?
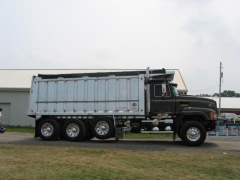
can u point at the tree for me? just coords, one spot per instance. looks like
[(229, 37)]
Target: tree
[(228, 93), (225, 93)]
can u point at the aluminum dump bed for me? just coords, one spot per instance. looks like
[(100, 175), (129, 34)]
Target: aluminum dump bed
[(87, 95)]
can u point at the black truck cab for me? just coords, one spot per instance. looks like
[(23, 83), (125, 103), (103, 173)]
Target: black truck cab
[(192, 116)]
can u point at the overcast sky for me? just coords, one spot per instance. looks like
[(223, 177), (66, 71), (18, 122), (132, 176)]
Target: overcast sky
[(192, 36)]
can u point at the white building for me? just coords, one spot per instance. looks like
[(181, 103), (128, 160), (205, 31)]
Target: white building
[(228, 104)]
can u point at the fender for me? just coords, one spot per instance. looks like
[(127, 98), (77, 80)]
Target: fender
[(205, 112), (192, 111)]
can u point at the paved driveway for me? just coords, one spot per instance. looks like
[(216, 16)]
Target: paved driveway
[(220, 145)]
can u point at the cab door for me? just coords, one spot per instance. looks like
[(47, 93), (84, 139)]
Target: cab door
[(161, 103)]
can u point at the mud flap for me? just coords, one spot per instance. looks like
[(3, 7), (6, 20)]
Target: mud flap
[(118, 133)]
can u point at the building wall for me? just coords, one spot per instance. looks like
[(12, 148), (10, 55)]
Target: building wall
[(15, 101)]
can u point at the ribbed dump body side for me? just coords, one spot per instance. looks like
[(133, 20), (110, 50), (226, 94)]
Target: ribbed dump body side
[(110, 95)]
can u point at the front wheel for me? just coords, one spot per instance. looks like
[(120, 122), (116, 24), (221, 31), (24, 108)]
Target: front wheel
[(193, 133)]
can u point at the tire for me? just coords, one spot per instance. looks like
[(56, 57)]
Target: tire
[(48, 129), (102, 128), (193, 133), (74, 130), (60, 134), (86, 131)]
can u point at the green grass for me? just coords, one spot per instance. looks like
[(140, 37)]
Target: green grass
[(30, 162), (20, 129), (146, 136), (45, 162)]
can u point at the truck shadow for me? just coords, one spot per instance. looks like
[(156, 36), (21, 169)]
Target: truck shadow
[(152, 145), (125, 144)]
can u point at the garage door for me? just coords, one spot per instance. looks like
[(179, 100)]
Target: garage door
[(6, 112)]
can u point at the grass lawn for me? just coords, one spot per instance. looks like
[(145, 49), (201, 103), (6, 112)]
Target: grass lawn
[(146, 136), (44, 162), (30, 162), (20, 129)]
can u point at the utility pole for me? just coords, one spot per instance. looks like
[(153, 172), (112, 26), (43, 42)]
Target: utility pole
[(220, 84)]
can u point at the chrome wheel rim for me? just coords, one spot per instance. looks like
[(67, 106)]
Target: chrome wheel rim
[(47, 129), (102, 128), (193, 134), (72, 130)]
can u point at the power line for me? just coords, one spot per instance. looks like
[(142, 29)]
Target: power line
[(232, 84), (235, 71)]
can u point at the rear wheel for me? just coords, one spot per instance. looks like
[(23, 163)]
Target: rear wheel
[(193, 133), (102, 128), (48, 129), (74, 130)]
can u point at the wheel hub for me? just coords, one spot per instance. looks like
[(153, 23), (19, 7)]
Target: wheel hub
[(47, 129), (72, 130), (193, 134), (102, 127)]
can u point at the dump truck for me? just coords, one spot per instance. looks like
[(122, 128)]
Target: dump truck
[(103, 105)]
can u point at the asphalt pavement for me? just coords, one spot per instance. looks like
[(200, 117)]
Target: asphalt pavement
[(213, 144)]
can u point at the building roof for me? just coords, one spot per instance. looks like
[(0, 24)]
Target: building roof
[(21, 78), (227, 102)]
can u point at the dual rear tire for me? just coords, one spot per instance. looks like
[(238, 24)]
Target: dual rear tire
[(75, 130)]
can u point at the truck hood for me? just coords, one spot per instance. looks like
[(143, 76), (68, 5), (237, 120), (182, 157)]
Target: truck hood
[(196, 101)]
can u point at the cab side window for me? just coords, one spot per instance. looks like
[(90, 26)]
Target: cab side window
[(158, 91)]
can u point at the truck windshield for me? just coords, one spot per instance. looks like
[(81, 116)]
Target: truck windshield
[(174, 90)]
